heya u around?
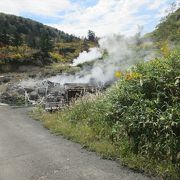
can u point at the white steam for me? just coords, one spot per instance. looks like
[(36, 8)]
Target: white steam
[(93, 54), (122, 53), (119, 53), (29, 83)]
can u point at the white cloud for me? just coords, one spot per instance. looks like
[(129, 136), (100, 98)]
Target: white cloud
[(105, 17), (108, 16), (156, 4), (38, 7)]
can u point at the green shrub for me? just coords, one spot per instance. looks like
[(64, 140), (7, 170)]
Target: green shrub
[(148, 108)]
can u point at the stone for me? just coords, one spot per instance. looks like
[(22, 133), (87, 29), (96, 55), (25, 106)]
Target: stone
[(29, 89), (33, 95), (42, 91)]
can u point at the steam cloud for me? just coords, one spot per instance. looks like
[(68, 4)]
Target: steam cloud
[(119, 53), (122, 53), (93, 54)]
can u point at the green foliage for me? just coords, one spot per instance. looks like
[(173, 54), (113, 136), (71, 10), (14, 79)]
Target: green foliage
[(148, 107), (4, 37), (10, 52), (60, 53), (30, 31), (168, 29), (56, 56), (39, 40), (20, 32), (66, 52), (45, 43), (17, 40), (91, 36)]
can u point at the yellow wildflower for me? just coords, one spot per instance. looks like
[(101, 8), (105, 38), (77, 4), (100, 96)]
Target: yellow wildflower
[(118, 74)]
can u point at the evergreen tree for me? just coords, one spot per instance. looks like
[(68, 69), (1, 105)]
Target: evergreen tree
[(4, 37), (32, 42), (45, 43), (17, 40), (85, 45), (91, 36)]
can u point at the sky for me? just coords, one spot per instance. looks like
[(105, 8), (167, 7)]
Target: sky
[(104, 17)]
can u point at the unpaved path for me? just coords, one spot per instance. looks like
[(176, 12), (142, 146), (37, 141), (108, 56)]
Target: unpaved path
[(30, 152)]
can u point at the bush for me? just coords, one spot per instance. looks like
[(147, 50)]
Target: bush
[(148, 108), (57, 57)]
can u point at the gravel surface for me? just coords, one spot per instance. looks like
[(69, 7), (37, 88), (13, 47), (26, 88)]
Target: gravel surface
[(30, 152)]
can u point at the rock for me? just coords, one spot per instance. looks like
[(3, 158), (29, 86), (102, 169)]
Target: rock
[(32, 75), (56, 93), (42, 91), (4, 79), (50, 99), (60, 98), (39, 63), (33, 95), (21, 91), (29, 89)]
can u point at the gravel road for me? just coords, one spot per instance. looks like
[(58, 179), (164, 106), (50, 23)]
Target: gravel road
[(30, 152)]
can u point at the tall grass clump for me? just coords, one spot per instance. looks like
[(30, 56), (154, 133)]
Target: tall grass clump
[(136, 120)]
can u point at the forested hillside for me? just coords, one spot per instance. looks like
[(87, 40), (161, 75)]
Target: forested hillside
[(18, 30), (168, 29), (27, 42)]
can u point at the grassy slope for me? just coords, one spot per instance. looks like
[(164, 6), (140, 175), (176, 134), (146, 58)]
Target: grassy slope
[(136, 120)]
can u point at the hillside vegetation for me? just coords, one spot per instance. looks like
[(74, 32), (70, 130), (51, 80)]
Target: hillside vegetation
[(168, 29), (27, 42), (17, 30)]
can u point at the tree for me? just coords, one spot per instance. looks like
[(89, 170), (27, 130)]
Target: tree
[(32, 42), (138, 36), (17, 40), (85, 45), (168, 29), (91, 36), (4, 38), (45, 43)]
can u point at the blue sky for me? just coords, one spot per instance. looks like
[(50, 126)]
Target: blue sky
[(102, 16)]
